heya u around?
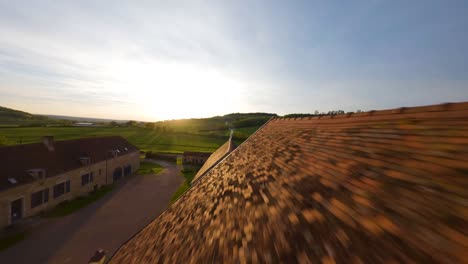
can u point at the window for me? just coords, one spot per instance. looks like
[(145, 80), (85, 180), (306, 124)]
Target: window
[(86, 178), (36, 199), (39, 198), (61, 188), (46, 195), (127, 170)]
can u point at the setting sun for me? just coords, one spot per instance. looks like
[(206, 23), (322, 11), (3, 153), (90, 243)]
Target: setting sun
[(171, 90)]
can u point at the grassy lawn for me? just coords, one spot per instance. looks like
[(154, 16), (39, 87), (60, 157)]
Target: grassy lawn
[(149, 168), (71, 206), (188, 175), (246, 131), (144, 139), (9, 241), (179, 192)]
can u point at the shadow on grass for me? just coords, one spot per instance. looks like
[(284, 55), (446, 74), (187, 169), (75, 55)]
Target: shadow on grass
[(71, 206), (9, 241), (188, 173), (179, 192), (149, 168)]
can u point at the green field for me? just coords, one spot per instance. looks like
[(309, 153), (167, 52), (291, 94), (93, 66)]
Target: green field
[(145, 139), (171, 136)]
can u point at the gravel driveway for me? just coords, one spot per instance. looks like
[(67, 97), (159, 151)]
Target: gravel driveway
[(106, 224)]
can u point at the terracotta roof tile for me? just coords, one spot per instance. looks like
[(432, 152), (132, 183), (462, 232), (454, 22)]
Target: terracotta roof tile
[(216, 157), (386, 186)]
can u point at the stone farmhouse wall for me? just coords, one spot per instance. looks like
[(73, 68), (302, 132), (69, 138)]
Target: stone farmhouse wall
[(102, 175)]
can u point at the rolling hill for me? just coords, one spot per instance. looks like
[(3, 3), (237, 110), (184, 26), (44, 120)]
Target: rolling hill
[(201, 134), (11, 117)]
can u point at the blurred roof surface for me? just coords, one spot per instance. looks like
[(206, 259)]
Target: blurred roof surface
[(354, 188)]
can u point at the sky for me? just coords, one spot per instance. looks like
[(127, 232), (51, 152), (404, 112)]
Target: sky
[(157, 60)]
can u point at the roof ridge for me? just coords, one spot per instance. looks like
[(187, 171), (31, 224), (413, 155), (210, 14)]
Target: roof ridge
[(392, 111), (226, 154)]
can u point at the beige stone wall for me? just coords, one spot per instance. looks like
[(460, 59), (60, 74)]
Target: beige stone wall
[(132, 159), (102, 175)]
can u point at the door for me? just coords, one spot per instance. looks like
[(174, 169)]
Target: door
[(16, 210), (128, 170), (117, 174)]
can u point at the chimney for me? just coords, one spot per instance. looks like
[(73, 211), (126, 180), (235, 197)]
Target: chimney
[(38, 174), (48, 142), (232, 145), (85, 160)]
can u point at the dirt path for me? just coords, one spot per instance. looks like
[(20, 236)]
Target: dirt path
[(106, 224)]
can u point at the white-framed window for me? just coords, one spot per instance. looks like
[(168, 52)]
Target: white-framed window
[(61, 188), (40, 197), (86, 178)]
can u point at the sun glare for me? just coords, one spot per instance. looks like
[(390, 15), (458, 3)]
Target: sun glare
[(176, 90)]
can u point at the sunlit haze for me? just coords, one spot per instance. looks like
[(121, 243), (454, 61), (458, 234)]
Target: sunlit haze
[(155, 60)]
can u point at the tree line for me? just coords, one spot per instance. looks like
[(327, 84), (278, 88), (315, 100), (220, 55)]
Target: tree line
[(317, 113)]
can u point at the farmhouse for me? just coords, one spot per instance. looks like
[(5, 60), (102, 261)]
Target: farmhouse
[(36, 177), (195, 158), (371, 187)]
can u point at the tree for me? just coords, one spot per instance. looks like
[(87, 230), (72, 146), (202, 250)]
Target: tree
[(297, 115), (150, 125), (336, 112), (131, 123)]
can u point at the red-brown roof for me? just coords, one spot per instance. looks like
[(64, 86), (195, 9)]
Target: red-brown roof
[(216, 157), (16, 160), (371, 187)]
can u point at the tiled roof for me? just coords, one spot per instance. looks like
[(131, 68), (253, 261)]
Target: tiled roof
[(361, 188), (16, 160), (216, 157)]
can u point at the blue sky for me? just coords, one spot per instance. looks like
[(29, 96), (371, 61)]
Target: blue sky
[(153, 60)]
